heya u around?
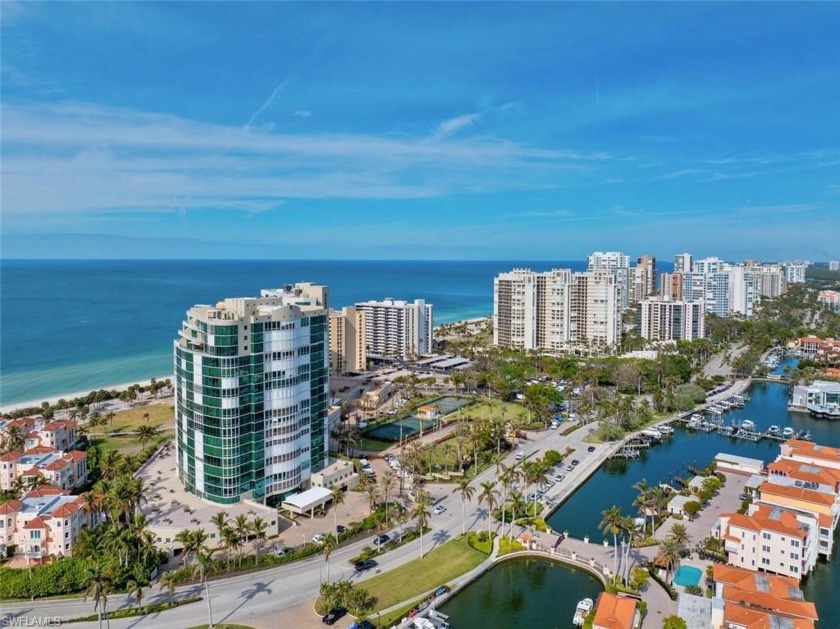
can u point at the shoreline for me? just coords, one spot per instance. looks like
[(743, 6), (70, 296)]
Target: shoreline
[(7, 408)]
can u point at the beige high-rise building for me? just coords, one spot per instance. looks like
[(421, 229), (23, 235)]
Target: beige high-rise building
[(645, 275), (531, 310), (596, 308), (663, 319), (671, 285), (347, 341)]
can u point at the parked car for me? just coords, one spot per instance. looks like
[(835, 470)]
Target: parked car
[(443, 589), (575, 462), (282, 550), (439, 509), (367, 564), (364, 624), (335, 614), (379, 540), (520, 455), (570, 467), (340, 529), (744, 496), (320, 538), (549, 483), (590, 449), (559, 477)]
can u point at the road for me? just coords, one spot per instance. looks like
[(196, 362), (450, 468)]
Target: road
[(251, 596)]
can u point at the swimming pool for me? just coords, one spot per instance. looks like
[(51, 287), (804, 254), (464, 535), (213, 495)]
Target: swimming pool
[(688, 575)]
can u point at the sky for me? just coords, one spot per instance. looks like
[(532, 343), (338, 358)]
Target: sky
[(439, 130)]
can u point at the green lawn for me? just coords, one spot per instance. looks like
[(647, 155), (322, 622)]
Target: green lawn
[(107, 437), (493, 408), (438, 567)]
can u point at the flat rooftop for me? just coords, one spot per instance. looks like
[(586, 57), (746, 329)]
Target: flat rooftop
[(45, 505)]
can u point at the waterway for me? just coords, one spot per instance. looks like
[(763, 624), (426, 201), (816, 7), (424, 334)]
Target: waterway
[(527, 592), (612, 484)]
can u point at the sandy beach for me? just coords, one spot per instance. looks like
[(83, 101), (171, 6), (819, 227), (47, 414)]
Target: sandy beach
[(69, 396)]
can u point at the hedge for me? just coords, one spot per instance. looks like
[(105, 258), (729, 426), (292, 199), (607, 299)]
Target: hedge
[(128, 612), (54, 579)]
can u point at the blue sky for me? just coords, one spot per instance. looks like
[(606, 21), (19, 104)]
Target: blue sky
[(420, 130)]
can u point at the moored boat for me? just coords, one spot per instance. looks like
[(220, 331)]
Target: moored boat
[(773, 430), (582, 611), (748, 424), (788, 432)]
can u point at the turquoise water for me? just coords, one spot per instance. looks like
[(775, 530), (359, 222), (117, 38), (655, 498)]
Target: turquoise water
[(688, 575), (533, 593), (76, 325)]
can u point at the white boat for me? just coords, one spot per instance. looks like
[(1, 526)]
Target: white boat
[(665, 429), (748, 424), (697, 417), (773, 430), (582, 611), (788, 432), (652, 433)]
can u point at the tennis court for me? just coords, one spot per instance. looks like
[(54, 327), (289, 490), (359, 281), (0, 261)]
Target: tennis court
[(449, 404), (405, 427)]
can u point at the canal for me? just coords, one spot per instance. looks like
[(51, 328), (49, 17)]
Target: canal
[(526, 592), (612, 484)]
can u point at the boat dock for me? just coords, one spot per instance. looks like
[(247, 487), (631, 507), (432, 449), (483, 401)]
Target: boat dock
[(744, 429)]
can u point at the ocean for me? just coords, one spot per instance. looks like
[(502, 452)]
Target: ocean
[(78, 325)]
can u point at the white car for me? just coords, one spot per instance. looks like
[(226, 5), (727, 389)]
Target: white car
[(520, 455), (439, 509)]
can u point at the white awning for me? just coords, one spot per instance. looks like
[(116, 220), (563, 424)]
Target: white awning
[(308, 500)]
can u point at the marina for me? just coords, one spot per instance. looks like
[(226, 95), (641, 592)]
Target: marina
[(671, 461)]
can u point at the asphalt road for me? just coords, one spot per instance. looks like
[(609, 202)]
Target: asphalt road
[(240, 597)]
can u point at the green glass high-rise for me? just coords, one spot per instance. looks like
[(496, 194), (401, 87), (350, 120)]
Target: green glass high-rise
[(251, 394)]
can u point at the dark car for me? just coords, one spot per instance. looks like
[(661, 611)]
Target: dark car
[(366, 624), (367, 564), (336, 613), (575, 461), (590, 449), (340, 529), (381, 539)]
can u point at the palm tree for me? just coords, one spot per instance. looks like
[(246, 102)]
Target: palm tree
[(167, 580), (258, 528), (643, 499), (230, 541), (517, 505), (387, 483), (98, 588), (679, 533), (466, 491), (668, 556), (135, 591), (147, 433), (219, 519), (371, 490), (611, 523), (13, 440), (337, 499), (421, 512), (488, 495), (330, 544), (242, 527)]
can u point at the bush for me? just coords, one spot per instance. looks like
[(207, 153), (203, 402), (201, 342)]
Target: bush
[(57, 578), (552, 457), (481, 541), (694, 589), (128, 612), (508, 545)]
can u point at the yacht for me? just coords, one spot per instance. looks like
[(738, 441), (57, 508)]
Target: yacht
[(748, 424), (773, 430), (697, 417), (665, 429), (788, 432), (582, 611), (652, 433)]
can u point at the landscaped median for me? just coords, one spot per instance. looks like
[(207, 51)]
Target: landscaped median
[(128, 612)]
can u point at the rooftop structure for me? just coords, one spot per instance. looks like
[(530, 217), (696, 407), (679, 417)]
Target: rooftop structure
[(614, 612)]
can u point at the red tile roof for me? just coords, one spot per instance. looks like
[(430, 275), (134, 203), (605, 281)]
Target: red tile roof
[(797, 493), (10, 506), (37, 523), (45, 490), (614, 612)]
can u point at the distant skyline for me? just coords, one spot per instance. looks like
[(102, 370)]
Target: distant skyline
[(487, 131)]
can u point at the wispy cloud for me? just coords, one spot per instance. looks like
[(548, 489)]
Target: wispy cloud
[(453, 125), (680, 173), (302, 113), (79, 157)]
